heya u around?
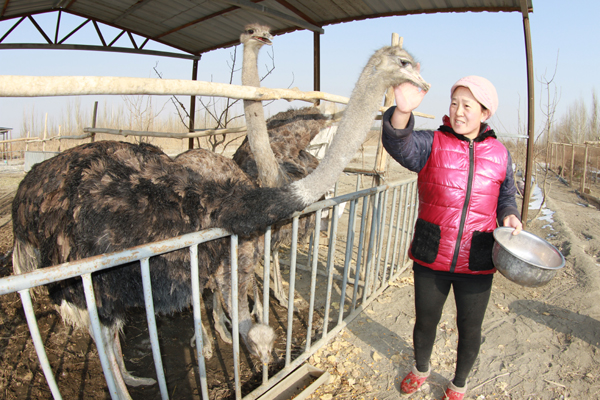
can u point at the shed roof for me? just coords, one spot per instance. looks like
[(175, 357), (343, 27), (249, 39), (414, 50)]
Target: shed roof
[(194, 27)]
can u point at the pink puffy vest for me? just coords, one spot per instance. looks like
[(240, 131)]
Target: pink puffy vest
[(460, 182)]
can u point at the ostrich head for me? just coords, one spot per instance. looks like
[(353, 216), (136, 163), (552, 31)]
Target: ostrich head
[(391, 66), (261, 338), (256, 35)]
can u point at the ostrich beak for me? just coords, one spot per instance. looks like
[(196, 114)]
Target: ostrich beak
[(265, 39), (416, 78)]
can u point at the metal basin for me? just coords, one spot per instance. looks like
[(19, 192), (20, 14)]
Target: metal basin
[(525, 258)]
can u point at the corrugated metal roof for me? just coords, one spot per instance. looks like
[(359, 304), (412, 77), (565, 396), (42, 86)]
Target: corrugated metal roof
[(197, 26)]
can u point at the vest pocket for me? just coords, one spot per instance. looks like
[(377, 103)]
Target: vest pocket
[(480, 257), (426, 241)]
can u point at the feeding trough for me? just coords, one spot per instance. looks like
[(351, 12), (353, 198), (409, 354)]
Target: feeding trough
[(525, 258), (298, 385)]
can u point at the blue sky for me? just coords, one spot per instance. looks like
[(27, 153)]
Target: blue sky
[(448, 46)]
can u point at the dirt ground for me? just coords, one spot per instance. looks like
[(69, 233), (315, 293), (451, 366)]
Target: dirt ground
[(538, 343)]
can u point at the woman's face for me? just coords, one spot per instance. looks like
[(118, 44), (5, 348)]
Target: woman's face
[(466, 113)]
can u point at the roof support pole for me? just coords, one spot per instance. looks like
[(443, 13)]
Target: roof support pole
[(193, 105), (317, 61), (530, 162)]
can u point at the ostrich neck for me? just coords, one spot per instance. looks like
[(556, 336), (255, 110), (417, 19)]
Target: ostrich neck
[(258, 137), (352, 131)]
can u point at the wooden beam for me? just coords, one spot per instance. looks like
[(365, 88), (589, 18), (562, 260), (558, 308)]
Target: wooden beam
[(44, 86)]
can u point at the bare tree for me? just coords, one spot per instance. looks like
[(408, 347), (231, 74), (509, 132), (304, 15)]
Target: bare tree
[(549, 99), (218, 113)]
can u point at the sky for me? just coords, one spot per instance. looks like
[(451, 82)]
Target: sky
[(565, 38)]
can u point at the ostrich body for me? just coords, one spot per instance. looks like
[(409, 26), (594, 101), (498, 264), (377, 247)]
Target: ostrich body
[(389, 66), (108, 196)]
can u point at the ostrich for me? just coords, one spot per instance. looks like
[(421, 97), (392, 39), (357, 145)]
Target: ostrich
[(108, 196), (273, 154), (388, 66)]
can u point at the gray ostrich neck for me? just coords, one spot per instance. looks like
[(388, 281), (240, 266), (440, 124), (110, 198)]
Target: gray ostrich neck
[(258, 137), (352, 131)]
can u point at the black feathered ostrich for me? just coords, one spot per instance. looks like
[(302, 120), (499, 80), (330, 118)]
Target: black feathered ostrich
[(108, 196)]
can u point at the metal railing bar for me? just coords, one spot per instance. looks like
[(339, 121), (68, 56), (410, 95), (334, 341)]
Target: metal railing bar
[(380, 239), (73, 269), (197, 310), (266, 282), (34, 330), (292, 288), (151, 318), (359, 256), (369, 262), (389, 235), (235, 328), (109, 373), (396, 251), (330, 265), (313, 279), (347, 259)]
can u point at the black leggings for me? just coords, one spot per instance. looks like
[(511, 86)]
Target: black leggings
[(471, 298)]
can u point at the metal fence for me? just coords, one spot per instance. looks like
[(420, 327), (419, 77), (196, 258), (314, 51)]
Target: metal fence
[(366, 248)]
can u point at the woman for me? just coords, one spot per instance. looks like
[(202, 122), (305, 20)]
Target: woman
[(466, 189)]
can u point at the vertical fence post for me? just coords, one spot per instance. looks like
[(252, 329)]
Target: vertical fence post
[(94, 119), (562, 170), (572, 163), (585, 159)]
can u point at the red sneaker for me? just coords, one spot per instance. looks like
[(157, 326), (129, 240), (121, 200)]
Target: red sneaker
[(454, 393), (413, 380)]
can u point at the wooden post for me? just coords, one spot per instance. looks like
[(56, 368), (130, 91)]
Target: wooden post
[(192, 118), (45, 132), (585, 158), (562, 171), (381, 157), (316, 62), (530, 162), (572, 163), (597, 167), (94, 117)]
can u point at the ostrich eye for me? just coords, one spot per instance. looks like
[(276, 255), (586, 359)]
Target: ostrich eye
[(250, 31)]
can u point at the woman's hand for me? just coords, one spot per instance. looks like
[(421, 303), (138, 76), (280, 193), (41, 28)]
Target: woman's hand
[(408, 97), (513, 222)]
